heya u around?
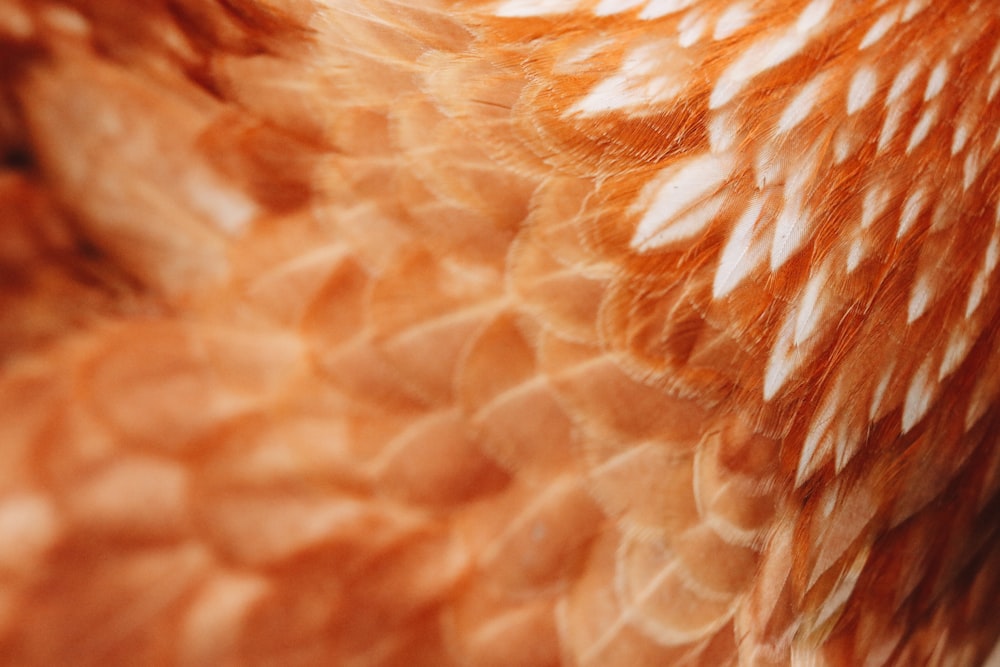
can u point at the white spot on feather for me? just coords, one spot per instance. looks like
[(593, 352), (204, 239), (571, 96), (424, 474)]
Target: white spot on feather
[(920, 298), (676, 189), (760, 57), (879, 394), (941, 216), (993, 252), (721, 132), (812, 16), (979, 402), (813, 454), (767, 167), (740, 255), (735, 18), (842, 590), (802, 104), (971, 168), (923, 128), (811, 306), (816, 449), (524, 8), (642, 80), (879, 29), (794, 224), (862, 89), (919, 397), (958, 349), (657, 8), (768, 53), (914, 7), (960, 138), (855, 254), (995, 58), (904, 79), (873, 205), (912, 209), (692, 30), (784, 360), (890, 126), (976, 294), (790, 230), (936, 81), (848, 439), (609, 7), (844, 145), (570, 61)]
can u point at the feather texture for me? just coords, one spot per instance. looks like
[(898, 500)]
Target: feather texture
[(498, 332)]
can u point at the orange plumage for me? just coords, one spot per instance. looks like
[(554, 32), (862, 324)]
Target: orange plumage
[(581, 332)]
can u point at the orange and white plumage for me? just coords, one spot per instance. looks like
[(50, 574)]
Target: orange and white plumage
[(496, 333)]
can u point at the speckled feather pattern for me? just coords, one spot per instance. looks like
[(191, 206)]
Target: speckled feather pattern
[(579, 332)]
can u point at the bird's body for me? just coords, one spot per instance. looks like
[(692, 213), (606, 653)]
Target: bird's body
[(499, 333)]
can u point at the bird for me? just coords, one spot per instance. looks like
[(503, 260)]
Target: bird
[(499, 332)]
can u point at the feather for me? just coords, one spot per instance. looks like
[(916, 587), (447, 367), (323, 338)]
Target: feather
[(490, 332)]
